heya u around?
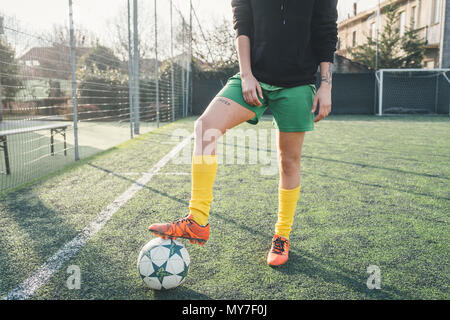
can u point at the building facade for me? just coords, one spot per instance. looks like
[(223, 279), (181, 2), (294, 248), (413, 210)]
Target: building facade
[(430, 17)]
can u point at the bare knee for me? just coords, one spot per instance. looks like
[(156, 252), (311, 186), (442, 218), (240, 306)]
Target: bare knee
[(289, 164), (205, 129)]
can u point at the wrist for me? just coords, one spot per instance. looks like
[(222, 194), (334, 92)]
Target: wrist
[(246, 74), (325, 85)]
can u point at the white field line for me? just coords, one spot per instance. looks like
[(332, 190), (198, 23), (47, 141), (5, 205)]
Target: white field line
[(141, 173), (43, 274)]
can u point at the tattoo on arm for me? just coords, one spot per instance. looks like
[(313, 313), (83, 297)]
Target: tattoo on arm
[(327, 77)]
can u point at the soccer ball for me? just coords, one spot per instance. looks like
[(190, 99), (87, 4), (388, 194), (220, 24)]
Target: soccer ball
[(163, 264)]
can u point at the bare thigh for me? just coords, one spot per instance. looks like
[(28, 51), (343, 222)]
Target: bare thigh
[(222, 114)]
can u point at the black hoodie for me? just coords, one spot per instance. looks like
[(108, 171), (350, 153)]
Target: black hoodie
[(289, 38)]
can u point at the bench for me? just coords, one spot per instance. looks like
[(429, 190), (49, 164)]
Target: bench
[(13, 127)]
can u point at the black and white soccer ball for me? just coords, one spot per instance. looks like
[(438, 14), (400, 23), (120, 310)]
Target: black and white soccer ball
[(163, 264)]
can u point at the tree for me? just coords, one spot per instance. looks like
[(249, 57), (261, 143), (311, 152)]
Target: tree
[(103, 86), (395, 51), (414, 48), (102, 94), (216, 47), (101, 57), (60, 36), (118, 37), (10, 83)]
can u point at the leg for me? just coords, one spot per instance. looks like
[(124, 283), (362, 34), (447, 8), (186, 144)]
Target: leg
[(289, 152), (221, 114)]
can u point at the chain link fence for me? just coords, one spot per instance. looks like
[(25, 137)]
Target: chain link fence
[(71, 92)]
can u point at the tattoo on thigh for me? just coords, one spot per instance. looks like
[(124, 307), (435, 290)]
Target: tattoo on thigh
[(224, 101)]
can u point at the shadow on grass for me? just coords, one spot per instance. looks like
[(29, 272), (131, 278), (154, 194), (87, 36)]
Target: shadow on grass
[(382, 187), (300, 262), (139, 184), (110, 273), (44, 232), (180, 293), (364, 165)]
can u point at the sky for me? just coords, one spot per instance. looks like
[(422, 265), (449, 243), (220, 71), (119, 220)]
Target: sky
[(346, 6), (97, 16), (38, 17), (93, 14)]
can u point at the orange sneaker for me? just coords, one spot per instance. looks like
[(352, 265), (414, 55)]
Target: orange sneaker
[(185, 228), (279, 253)]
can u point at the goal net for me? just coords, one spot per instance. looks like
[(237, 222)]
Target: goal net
[(413, 91)]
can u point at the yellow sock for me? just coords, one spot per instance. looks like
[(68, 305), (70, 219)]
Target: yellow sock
[(204, 169), (287, 203)]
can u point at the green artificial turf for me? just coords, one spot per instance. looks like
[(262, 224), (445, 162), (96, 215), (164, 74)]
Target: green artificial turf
[(375, 191)]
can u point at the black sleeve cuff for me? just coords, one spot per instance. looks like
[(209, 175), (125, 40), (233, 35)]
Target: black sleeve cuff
[(243, 32), (326, 58)]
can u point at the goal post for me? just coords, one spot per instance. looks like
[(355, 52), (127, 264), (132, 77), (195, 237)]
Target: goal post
[(413, 91)]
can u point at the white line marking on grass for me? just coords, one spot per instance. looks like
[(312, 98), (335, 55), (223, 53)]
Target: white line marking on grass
[(43, 274), (141, 173)]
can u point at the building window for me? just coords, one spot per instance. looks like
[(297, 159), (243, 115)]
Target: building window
[(373, 30), (355, 8), (435, 12), (354, 39), (402, 23), (414, 17)]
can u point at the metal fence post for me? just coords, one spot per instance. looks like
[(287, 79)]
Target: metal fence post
[(186, 84), (1, 102), (189, 96), (130, 71), (182, 68), (156, 68), (172, 89), (436, 97), (186, 94), (74, 83), (136, 68), (380, 97)]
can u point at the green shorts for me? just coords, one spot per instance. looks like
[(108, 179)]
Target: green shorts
[(291, 107)]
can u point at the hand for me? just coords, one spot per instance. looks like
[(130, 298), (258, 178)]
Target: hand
[(251, 89), (323, 100)]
